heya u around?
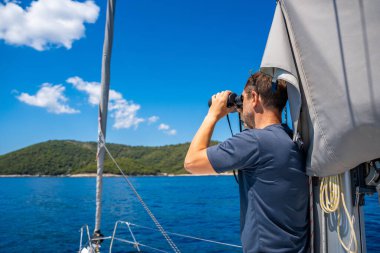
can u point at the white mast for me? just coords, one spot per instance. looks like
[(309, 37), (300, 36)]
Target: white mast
[(103, 107)]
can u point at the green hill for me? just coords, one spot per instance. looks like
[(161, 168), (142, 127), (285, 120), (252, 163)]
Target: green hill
[(74, 157)]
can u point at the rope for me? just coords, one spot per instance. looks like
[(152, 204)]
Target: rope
[(330, 195), (161, 229), (352, 234), (190, 237)]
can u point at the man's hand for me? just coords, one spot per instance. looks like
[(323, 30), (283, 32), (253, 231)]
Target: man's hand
[(196, 160), (218, 108)]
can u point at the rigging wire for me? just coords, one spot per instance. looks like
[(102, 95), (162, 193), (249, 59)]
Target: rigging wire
[(138, 244), (158, 225), (190, 237), (141, 245)]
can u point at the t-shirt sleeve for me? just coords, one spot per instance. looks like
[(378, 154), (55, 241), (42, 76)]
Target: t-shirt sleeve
[(237, 152)]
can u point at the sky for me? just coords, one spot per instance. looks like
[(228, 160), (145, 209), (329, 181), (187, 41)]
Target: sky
[(169, 57)]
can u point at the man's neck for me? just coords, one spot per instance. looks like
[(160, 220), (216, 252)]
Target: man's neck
[(267, 118)]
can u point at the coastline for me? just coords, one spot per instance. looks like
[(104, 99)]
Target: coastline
[(116, 175)]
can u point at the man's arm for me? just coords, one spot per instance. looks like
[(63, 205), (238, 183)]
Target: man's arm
[(196, 160)]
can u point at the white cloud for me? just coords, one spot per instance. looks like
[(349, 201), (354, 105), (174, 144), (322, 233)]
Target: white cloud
[(163, 127), (92, 89), (46, 23), (171, 132), (50, 97), (153, 119), (124, 112), (166, 129)]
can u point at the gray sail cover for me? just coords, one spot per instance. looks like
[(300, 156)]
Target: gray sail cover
[(328, 52)]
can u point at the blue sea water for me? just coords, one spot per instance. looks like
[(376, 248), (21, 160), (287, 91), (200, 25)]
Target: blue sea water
[(45, 214)]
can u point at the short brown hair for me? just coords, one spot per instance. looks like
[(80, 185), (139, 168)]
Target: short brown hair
[(272, 97)]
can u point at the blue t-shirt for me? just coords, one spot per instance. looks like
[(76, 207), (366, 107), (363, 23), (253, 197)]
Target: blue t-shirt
[(273, 188)]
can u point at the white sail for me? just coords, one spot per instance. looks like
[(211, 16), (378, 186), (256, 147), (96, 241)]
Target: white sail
[(332, 48)]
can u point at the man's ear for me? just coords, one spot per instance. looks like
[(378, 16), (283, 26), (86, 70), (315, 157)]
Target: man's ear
[(255, 98)]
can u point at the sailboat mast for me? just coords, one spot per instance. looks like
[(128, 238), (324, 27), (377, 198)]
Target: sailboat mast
[(103, 108)]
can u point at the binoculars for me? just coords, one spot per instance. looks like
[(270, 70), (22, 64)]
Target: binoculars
[(233, 100)]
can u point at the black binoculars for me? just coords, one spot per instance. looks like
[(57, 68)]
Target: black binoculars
[(233, 100)]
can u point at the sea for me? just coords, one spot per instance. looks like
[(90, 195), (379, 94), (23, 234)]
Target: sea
[(45, 214)]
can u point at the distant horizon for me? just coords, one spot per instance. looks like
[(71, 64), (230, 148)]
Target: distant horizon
[(186, 142), (96, 142)]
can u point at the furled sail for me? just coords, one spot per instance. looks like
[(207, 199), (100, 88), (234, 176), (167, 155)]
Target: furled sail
[(328, 53), (103, 108)]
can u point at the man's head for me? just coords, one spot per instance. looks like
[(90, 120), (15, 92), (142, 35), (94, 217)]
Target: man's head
[(259, 97)]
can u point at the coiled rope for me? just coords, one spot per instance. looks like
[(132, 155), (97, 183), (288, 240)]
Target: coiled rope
[(158, 225), (330, 195)]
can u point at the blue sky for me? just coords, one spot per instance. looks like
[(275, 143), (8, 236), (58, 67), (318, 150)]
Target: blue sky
[(168, 58)]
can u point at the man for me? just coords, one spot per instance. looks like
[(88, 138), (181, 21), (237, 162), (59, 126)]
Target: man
[(272, 181)]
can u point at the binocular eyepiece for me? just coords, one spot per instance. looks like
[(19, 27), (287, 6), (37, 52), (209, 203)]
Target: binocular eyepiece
[(233, 100)]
